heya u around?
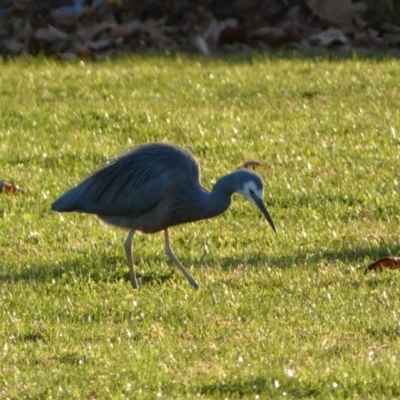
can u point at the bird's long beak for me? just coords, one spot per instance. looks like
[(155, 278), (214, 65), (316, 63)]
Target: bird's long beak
[(264, 210)]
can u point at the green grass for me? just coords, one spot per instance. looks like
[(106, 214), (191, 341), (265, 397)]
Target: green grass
[(276, 316)]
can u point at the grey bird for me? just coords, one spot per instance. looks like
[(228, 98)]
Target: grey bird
[(153, 187)]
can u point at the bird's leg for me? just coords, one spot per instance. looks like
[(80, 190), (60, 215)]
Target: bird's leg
[(128, 251), (173, 258)]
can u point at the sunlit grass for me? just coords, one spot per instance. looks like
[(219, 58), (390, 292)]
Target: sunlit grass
[(287, 315)]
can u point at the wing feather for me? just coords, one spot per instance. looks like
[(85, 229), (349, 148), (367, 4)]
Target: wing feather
[(132, 184)]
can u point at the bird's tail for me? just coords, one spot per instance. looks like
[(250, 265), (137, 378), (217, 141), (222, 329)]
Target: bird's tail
[(75, 200), (65, 203)]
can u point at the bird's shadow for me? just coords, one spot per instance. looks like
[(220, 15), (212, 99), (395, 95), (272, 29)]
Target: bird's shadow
[(106, 269), (227, 388), (252, 387), (350, 255), (114, 268)]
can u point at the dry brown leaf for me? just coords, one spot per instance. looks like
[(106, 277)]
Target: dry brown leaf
[(385, 262), (227, 31), (391, 39), (126, 29), (200, 44), (232, 33), (117, 31), (366, 39), (158, 38), (338, 10), (277, 35), (142, 34), (197, 21), (104, 44), (95, 32), (65, 21), (389, 28), (10, 188), (211, 34), (85, 50), (50, 34), (343, 14), (252, 164), (329, 38), (13, 47), (139, 40)]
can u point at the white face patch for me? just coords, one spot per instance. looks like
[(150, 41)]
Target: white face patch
[(250, 189)]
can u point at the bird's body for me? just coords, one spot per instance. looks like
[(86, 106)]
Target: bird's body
[(153, 187)]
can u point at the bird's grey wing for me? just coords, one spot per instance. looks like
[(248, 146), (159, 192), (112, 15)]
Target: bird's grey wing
[(133, 201), (114, 199), (132, 183)]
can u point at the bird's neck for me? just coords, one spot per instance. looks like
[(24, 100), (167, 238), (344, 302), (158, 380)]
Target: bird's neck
[(219, 199), (202, 204)]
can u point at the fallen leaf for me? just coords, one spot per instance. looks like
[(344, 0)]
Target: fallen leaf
[(389, 28), (392, 39), (369, 39), (95, 32), (329, 38), (343, 14), (385, 262), (10, 188), (197, 21), (230, 31), (50, 34), (13, 47), (251, 164), (277, 35), (200, 44)]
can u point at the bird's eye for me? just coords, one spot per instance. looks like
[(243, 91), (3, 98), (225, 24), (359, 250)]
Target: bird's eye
[(251, 191)]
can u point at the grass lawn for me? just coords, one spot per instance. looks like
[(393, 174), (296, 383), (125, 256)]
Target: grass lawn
[(276, 316)]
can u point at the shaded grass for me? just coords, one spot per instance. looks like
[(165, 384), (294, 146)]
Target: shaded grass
[(288, 316)]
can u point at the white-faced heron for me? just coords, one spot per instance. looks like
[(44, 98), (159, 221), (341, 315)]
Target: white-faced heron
[(155, 186)]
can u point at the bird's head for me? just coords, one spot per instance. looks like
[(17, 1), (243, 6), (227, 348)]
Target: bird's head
[(251, 187)]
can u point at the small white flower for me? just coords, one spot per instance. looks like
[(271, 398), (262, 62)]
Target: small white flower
[(290, 373)]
